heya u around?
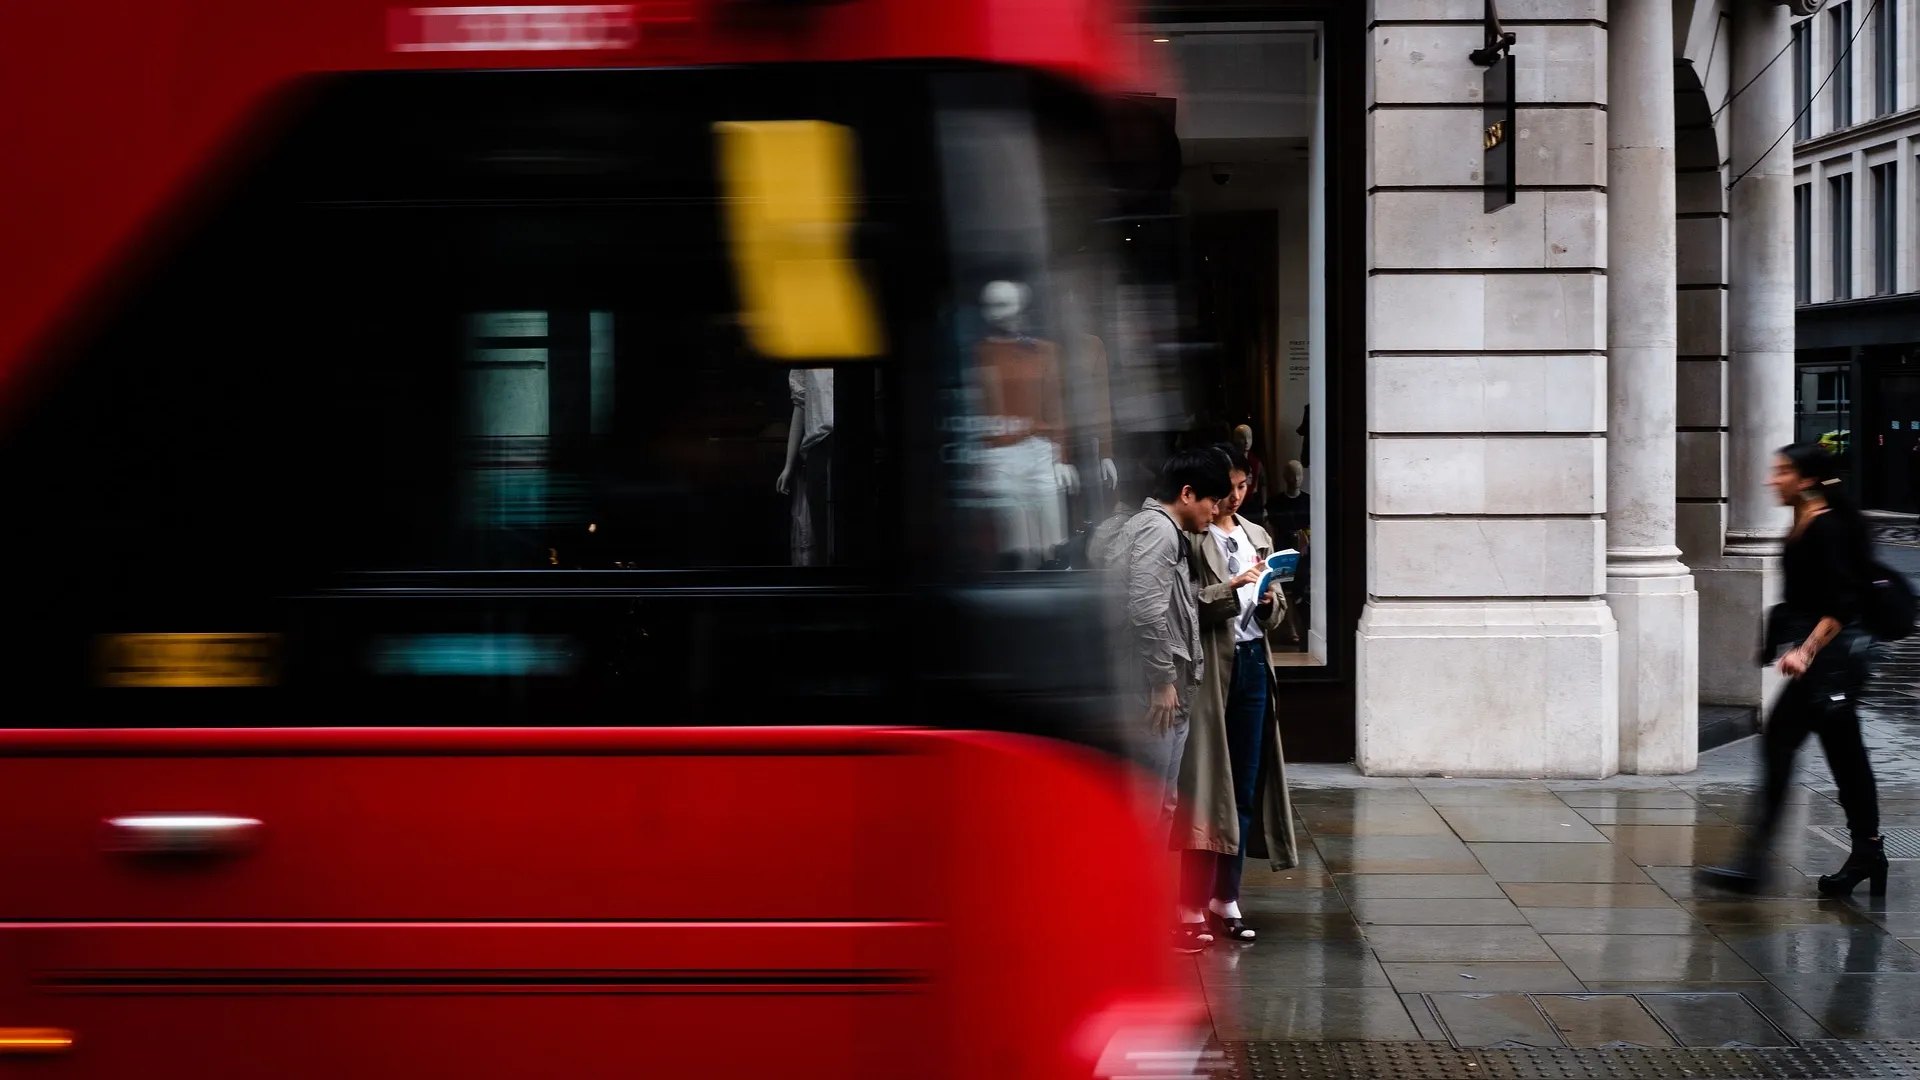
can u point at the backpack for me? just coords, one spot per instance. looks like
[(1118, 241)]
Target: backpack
[(1887, 609)]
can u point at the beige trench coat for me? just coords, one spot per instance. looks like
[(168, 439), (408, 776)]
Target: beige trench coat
[(1210, 819)]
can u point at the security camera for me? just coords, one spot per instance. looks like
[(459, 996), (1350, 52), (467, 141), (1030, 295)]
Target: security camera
[(1222, 176)]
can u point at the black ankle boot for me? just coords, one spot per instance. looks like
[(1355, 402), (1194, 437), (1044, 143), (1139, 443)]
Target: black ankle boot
[(1868, 860)]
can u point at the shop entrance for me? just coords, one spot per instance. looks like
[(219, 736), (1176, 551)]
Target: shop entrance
[(1240, 241), (1896, 443)]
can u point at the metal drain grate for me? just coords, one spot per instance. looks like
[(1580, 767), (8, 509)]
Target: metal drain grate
[(1901, 843), (1439, 1061)]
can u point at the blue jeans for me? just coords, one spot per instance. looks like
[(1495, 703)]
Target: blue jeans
[(1246, 726)]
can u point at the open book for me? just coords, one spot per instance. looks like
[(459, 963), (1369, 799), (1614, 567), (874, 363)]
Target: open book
[(1281, 566)]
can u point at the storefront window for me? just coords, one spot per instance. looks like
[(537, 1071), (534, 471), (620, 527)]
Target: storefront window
[(1237, 245), (1822, 407)]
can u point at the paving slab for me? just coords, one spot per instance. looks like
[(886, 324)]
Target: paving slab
[(1480, 976), (1312, 1015), (1452, 944), (1438, 912), (1690, 958), (1576, 863), (1419, 887), (1715, 1019), (1644, 920), (1494, 1020), (1548, 824), (1603, 1020)]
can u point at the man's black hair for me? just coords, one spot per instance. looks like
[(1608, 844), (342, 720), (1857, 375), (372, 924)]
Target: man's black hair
[(1203, 469), (1235, 459)]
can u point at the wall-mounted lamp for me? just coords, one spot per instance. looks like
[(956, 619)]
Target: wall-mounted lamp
[(1498, 40)]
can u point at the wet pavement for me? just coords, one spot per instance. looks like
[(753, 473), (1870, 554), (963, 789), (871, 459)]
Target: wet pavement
[(1554, 917)]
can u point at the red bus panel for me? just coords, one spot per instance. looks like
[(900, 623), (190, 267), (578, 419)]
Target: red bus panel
[(419, 902), (129, 104)]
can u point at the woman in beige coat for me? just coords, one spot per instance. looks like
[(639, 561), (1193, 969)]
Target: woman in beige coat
[(1232, 785)]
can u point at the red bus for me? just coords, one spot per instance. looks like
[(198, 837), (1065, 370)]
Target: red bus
[(523, 565)]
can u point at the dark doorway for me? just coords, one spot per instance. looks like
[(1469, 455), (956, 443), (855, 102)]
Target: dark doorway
[(1896, 443), (1236, 274)]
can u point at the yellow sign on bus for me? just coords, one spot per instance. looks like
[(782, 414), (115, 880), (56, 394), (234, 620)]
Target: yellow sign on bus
[(791, 198), (177, 660)]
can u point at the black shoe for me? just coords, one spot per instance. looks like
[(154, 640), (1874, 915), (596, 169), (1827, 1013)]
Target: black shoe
[(1232, 929), (1747, 876), (1191, 937), (1867, 861)]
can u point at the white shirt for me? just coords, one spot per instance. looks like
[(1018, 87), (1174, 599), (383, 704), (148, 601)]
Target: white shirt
[(812, 390), (1248, 595)]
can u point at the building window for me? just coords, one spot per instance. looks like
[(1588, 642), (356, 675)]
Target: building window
[(1822, 403), (1802, 81), (1886, 229), (1803, 243), (1840, 37), (1840, 211), (1886, 62)]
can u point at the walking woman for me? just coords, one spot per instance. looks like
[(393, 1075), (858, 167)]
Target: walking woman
[(1232, 787), (1821, 650)]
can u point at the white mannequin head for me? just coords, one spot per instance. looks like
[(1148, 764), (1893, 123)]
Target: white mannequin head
[(1003, 304)]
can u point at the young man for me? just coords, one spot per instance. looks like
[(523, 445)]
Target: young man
[(1162, 658)]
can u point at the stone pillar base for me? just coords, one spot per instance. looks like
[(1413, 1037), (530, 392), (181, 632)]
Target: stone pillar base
[(1659, 619), (1488, 688), (1735, 593)]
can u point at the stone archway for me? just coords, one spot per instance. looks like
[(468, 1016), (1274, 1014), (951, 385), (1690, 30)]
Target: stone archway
[(1701, 254), (1702, 84)]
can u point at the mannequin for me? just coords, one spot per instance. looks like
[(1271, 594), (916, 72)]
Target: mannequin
[(1093, 419), (1022, 460), (1093, 429), (1254, 506), (806, 475)]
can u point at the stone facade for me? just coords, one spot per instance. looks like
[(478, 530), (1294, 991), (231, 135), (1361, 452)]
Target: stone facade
[(1858, 278), (1549, 386)]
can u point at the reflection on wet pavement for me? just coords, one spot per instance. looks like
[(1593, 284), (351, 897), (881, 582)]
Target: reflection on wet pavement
[(1493, 1019), (1564, 914), (1604, 1020), (1526, 977)]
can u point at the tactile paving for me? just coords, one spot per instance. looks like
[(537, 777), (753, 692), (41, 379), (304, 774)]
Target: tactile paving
[(1440, 1061), (1903, 843)]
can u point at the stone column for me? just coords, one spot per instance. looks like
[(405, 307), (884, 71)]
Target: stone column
[(1487, 647), (1650, 591), (1909, 275), (1739, 589)]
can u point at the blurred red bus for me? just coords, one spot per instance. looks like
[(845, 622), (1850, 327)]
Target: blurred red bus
[(414, 669)]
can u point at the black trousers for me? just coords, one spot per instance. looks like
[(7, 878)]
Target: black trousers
[(1819, 703)]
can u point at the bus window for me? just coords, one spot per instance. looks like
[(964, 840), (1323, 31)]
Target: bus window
[(1053, 402), (451, 409), (442, 343)]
